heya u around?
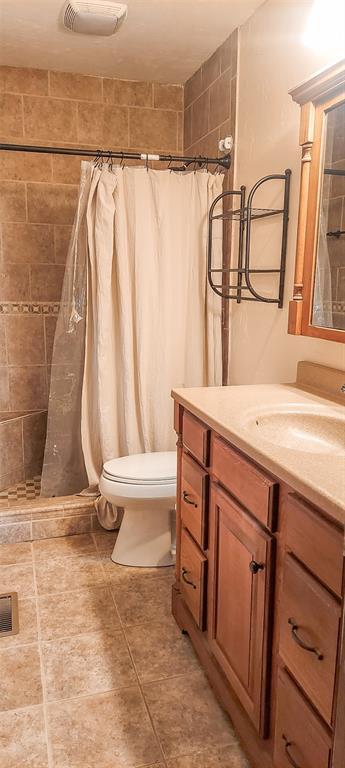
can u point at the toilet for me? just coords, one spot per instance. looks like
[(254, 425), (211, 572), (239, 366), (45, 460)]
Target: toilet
[(143, 484)]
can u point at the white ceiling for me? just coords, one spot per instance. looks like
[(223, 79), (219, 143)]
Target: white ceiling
[(164, 40)]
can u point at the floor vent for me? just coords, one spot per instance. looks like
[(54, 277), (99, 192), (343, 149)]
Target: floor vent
[(9, 624)]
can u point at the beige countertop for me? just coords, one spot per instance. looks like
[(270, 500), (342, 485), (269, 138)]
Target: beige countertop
[(231, 411)]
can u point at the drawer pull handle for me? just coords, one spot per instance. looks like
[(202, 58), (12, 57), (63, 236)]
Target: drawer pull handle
[(287, 746), (255, 567), (188, 500), (187, 581), (300, 642)]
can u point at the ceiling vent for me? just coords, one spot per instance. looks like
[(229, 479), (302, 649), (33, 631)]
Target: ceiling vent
[(94, 18)]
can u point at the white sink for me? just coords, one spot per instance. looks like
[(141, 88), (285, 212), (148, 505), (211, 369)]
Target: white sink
[(312, 430)]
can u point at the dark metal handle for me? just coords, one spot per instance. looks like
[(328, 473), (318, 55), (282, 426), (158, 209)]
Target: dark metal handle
[(287, 746), (187, 581), (188, 500), (254, 567), (300, 642)]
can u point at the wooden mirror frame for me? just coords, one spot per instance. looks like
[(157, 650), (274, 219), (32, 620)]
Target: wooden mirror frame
[(320, 93)]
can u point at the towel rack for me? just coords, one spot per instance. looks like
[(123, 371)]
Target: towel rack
[(245, 214)]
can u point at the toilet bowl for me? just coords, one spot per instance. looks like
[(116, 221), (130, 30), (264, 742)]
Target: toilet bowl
[(144, 485)]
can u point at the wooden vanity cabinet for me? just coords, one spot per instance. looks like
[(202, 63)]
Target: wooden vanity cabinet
[(259, 589), (240, 555)]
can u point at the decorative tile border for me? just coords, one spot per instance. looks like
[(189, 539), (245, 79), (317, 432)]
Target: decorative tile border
[(338, 306), (29, 308)]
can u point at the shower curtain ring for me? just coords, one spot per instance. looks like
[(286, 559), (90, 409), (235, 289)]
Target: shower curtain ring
[(110, 161), (147, 162), (122, 160), (98, 159), (169, 164)]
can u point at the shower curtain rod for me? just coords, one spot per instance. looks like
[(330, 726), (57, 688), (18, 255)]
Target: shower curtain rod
[(224, 161)]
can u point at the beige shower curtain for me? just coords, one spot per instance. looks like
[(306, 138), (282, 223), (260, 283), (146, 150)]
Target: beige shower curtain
[(152, 321)]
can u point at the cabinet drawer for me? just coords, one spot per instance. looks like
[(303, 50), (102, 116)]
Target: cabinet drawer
[(194, 487), (309, 627), (252, 487), (316, 542), (196, 437), (193, 577), (300, 737)]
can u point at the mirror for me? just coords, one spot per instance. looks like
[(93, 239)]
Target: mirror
[(329, 276), (318, 305)]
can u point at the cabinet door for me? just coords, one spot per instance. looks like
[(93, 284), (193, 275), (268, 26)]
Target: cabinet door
[(239, 601)]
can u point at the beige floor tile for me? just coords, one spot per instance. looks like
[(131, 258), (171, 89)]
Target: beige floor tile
[(65, 546), (186, 716), (123, 574), (20, 679), (143, 600), (17, 578), (87, 664), (105, 541), (27, 626), (13, 554), (65, 574), (160, 650), (217, 757), (22, 739), (111, 730), (74, 613)]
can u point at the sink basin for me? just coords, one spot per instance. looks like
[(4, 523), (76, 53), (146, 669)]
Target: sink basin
[(320, 431)]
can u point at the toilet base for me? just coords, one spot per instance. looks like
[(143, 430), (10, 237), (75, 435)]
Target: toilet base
[(145, 538)]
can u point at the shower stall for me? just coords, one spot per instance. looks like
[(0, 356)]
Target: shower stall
[(135, 279)]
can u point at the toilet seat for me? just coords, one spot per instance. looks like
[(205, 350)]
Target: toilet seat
[(153, 469)]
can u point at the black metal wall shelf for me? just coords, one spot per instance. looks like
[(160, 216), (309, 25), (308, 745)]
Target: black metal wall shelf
[(245, 214)]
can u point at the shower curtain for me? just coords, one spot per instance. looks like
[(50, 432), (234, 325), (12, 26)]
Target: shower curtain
[(149, 323)]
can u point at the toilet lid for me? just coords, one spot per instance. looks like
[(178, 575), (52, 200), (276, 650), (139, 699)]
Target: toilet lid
[(157, 468)]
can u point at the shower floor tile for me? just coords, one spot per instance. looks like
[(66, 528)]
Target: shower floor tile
[(97, 644), (24, 491)]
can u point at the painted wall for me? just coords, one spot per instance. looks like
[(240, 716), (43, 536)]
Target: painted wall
[(272, 59)]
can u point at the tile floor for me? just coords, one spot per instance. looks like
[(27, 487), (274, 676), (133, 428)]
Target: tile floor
[(28, 489), (99, 675)]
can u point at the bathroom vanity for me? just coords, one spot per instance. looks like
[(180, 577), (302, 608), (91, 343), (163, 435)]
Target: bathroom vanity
[(260, 561)]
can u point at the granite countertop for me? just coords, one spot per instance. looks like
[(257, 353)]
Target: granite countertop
[(231, 411)]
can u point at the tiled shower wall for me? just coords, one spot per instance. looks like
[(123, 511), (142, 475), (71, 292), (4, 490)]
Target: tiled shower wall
[(210, 115), (210, 101), (38, 197)]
